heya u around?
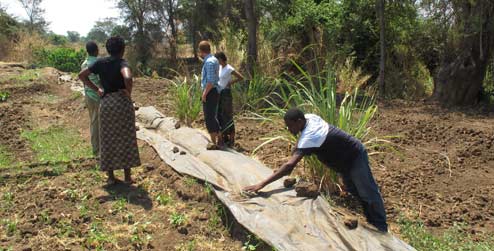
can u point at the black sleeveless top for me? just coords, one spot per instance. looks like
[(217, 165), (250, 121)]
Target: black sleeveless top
[(108, 69)]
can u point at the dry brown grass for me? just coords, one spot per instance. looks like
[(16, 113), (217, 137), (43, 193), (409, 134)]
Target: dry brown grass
[(23, 49)]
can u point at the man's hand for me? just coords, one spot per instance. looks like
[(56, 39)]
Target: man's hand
[(100, 92), (204, 97), (253, 188)]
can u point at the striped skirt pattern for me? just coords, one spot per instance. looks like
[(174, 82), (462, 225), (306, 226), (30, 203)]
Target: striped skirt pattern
[(118, 142)]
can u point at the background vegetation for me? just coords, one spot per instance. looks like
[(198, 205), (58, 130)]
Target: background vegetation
[(422, 40)]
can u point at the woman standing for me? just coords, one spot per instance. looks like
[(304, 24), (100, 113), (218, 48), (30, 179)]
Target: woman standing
[(225, 108), (118, 142)]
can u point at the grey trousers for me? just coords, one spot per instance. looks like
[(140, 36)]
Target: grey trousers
[(93, 108)]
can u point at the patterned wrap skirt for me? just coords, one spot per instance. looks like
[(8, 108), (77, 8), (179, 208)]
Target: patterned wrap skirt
[(118, 141)]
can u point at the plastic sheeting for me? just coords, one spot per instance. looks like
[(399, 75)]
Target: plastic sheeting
[(277, 215)]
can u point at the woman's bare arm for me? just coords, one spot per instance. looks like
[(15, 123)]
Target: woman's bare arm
[(238, 77), (127, 76), (84, 77)]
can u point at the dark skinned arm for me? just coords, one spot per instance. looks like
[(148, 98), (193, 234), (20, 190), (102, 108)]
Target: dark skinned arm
[(84, 77), (127, 76), (238, 77), (285, 169)]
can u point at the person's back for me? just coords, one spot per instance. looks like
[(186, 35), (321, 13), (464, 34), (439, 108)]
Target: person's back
[(337, 149), (109, 71)]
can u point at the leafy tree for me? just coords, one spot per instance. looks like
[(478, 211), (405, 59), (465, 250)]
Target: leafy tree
[(36, 21), (165, 12), (8, 24), (137, 15), (201, 20), (73, 36), (96, 35), (56, 39), (102, 30), (122, 31)]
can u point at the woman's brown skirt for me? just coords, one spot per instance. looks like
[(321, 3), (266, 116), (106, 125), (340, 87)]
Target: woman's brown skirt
[(118, 142)]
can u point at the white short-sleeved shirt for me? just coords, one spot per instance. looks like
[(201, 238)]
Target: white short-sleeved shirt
[(314, 133), (225, 76)]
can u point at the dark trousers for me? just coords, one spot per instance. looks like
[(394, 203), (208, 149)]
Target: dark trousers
[(210, 109), (225, 114), (359, 181)]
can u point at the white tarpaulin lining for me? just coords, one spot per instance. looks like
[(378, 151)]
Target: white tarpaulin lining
[(278, 216)]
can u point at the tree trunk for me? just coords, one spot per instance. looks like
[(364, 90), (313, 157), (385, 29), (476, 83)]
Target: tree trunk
[(173, 28), (252, 36), (382, 41), (460, 77)]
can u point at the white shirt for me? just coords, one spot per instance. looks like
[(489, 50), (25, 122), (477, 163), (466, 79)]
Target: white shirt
[(225, 76), (314, 133)]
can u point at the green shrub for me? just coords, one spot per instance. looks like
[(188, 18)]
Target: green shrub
[(63, 59), (187, 99)]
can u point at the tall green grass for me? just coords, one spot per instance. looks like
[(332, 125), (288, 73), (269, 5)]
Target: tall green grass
[(187, 99), (250, 95), (317, 94)]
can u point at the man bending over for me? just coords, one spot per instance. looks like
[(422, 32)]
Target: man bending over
[(339, 151)]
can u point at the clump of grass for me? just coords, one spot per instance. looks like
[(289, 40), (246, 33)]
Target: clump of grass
[(454, 239), (350, 77), (177, 219), (119, 205), (71, 194), (139, 236), (4, 95), (252, 243), (8, 197), (251, 94), (163, 199), (189, 181), (97, 237), (188, 246), (10, 226), (187, 99), (317, 94), (57, 144), (65, 229), (5, 157)]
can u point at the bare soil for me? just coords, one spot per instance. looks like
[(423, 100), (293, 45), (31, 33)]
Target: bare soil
[(440, 171), (438, 167), (75, 210)]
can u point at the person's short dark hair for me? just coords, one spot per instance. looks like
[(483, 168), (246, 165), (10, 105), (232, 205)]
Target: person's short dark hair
[(115, 45), (294, 114), (220, 55), (205, 46), (91, 48)]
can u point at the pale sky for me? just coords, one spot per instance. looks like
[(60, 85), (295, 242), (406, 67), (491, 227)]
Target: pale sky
[(69, 15)]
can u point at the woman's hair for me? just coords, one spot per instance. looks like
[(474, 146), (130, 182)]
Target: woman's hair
[(294, 114), (115, 45), (220, 55)]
